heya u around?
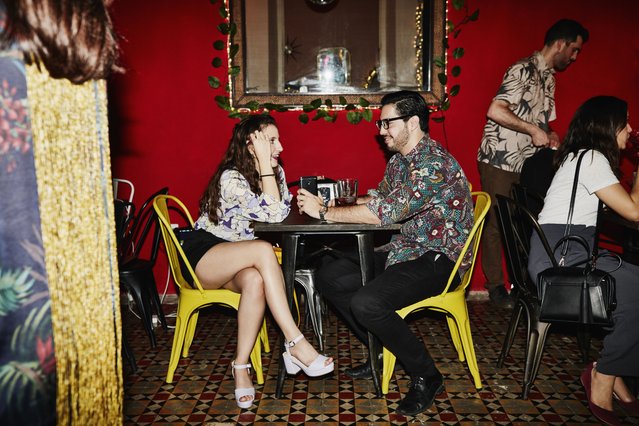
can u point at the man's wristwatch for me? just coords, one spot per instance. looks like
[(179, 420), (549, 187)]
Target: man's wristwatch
[(322, 211)]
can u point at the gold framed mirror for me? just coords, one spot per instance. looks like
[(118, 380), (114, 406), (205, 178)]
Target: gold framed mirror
[(294, 51)]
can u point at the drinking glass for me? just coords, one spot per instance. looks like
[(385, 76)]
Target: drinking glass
[(346, 191)]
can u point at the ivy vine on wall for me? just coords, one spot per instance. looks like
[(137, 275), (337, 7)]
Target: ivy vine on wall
[(453, 30), (327, 109)]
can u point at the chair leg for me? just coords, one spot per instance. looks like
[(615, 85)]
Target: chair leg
[(318, 323), (510, 334), (190, 333), (155, 300), (388, 368), (454, 335), (460, 318), (314, 312), (181, 323), (583, 340), (128, 353), (305, 277), (264, 337), (139, 293), (534, 352)]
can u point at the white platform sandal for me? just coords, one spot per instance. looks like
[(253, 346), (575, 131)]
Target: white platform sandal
[(243, 392), (294, 365)]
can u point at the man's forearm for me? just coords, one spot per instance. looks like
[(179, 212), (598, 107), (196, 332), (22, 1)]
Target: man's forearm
[(363, 199), (352, 214), (500, 114)]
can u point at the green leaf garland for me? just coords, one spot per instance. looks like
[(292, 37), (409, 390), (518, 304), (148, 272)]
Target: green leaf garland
[(327, 110)]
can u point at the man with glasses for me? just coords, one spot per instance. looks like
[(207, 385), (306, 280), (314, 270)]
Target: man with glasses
[(518, 125), (425, 189)]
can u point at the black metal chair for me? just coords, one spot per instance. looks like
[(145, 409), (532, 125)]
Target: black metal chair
[(136, 273), (534, 202), (517, 224), (124, 211), (530, 199)]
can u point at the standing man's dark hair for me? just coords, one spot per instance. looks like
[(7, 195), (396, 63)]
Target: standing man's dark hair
[(567, 30)]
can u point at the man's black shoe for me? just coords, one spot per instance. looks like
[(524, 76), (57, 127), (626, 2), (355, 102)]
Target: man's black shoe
[(421, 395), (500, 297), (362, 371)]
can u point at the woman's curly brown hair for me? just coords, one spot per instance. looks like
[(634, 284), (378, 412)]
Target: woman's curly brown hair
[(237, 157)]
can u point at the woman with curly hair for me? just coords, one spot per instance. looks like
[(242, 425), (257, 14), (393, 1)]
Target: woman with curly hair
[(249, 185)]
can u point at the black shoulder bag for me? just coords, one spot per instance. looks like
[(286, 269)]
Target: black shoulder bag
[(576, 294)]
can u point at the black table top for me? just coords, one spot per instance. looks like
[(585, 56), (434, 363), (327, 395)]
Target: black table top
[(303, 223)]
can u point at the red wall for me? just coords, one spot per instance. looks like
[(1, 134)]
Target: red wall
[(166, 128)]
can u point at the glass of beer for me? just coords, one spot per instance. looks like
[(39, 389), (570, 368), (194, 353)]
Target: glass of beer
[(346, 191)]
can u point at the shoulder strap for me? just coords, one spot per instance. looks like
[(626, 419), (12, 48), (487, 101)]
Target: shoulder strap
[(571, 209)]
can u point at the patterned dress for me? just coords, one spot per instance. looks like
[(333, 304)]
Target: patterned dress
[(240, 207), (529, 87), (27, 362)]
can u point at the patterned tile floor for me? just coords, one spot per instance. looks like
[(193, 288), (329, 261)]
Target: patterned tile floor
[(202, 392)]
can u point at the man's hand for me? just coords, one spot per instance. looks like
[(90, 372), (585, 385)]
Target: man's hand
[(309, 203), (553, 137), (540, 137)]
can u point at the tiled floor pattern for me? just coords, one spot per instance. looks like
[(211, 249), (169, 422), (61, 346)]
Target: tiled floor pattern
[(202, 392)]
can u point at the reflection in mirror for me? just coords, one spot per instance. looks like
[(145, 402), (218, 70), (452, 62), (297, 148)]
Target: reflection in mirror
[(294, 51)]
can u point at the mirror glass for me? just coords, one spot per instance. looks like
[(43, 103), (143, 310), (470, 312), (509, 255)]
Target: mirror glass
[(294, 51)]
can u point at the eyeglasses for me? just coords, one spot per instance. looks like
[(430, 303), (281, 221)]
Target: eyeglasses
[(386, 122)]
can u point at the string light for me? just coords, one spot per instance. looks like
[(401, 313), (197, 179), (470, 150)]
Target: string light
[(227, 20), (419, 44)]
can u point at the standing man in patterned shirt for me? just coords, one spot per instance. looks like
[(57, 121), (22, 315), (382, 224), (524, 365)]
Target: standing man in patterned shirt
[(518, 126), (425, 189)]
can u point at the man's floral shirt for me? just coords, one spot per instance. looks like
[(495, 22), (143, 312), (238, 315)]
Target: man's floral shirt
[(425, 190)]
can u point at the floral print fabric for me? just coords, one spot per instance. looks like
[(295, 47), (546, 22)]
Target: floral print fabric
[(240, 207), (27, 361), (529, 87), (428, 192)]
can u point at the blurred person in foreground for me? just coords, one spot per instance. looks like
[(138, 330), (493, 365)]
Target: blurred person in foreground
[(56, 216)]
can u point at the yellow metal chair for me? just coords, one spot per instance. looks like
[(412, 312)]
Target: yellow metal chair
[(192, 298), (452, 303)]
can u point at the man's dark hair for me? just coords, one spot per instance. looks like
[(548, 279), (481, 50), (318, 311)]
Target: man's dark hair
[(565, 29), (409, 103)]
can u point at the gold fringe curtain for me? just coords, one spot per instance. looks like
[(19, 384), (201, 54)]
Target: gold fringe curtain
[(73, 171)]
